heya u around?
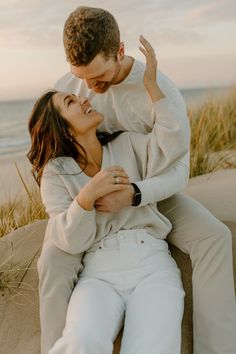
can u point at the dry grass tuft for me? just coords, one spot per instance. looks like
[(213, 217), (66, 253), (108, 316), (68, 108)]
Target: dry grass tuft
[(213, 127), (21, 212)]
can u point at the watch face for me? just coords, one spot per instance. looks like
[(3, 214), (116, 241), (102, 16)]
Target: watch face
[(137, 199)]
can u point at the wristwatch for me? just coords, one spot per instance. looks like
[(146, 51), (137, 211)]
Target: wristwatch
[(137, 195)]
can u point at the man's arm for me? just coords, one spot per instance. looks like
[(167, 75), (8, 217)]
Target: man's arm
[(163, 186), (172, 153)]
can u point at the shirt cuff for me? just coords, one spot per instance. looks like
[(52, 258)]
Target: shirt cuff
[(151, 191)]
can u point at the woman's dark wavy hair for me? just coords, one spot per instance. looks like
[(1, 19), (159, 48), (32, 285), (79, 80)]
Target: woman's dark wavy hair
[(51, 137)]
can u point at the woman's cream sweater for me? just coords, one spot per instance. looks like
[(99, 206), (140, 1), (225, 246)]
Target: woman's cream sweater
[(143, 156)]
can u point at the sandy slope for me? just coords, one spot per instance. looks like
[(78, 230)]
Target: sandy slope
[(19, 321)]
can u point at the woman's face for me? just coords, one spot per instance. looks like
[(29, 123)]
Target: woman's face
[(77, 111)]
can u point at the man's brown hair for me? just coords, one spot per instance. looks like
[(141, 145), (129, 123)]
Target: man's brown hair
[(89, 31)]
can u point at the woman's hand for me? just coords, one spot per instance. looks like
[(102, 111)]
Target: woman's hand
[(150, 74), (106, 181)]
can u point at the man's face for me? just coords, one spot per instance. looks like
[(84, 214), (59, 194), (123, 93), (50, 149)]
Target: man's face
[(100, 74)]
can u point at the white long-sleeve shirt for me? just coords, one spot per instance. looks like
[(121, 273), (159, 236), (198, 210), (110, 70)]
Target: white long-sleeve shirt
[(127, 107), (74, 229)]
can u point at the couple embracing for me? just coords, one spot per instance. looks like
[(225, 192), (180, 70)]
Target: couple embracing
[(110, 150)]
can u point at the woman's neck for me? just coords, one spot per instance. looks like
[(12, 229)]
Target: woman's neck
[(94, 152)]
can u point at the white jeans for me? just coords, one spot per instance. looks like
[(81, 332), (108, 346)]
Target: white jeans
[(131, 274)]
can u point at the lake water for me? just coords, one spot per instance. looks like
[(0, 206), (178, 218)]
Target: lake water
[(14, 137)]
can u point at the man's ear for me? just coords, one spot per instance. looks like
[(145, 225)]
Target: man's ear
[(121, 52)]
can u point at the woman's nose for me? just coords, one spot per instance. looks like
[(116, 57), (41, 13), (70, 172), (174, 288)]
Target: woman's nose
[(83, 100)]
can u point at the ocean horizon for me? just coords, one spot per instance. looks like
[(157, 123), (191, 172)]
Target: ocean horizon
[(14, 114)]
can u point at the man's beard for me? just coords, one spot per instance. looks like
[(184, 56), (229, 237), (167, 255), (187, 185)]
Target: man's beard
[(103, 86)]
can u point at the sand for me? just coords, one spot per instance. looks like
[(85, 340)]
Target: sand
[(19, 318)]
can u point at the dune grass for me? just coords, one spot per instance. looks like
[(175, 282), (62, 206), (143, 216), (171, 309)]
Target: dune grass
[(20, 212), (213, 146), (213, 140)]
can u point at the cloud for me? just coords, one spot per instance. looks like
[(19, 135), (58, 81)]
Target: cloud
[(25, 23), (212, 12)]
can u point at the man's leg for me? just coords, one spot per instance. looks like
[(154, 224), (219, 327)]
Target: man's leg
[(58, 273), (209, 243), (94, 318), (153, 315)]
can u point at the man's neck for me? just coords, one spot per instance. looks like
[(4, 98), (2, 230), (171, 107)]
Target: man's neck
[(126, 66)]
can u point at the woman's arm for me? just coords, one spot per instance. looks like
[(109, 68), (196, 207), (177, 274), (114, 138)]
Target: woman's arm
[(72, 225), (71, 228)]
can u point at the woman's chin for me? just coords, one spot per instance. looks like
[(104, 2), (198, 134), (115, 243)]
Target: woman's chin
[(100, 116)]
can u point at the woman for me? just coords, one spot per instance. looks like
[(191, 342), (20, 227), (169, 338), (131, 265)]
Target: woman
[(128, 270)]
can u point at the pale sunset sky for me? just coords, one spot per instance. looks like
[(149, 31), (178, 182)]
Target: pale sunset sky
[(195, 41)]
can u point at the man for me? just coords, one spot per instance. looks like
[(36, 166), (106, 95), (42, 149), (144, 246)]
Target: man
[(113, 82)]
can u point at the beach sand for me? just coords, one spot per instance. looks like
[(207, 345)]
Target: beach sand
[(11, 186), (20, 306)]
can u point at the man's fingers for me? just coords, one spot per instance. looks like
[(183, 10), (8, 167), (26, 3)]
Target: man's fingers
[(146, 44), (143, 51)]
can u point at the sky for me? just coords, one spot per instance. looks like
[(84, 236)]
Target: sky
[(195, 41)]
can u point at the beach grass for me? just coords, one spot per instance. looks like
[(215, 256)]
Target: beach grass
[(20, 212), (213, 147), (213, 135)]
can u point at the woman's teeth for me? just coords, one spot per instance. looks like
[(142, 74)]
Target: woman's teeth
[(88, 110)]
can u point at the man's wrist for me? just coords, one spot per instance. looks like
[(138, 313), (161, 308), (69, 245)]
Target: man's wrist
[(137, 196), (155, 93)]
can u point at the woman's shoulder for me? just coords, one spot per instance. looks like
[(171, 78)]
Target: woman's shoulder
[(59, 165)]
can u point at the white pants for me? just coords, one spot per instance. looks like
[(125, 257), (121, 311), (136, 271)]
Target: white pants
[(132, 274)]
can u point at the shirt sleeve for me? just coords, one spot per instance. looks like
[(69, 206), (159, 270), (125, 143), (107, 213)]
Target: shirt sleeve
[(165, 185), (169, 139), (164, 153), (70, 227)]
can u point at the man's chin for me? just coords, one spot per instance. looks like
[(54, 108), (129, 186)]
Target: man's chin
[(101, 89)]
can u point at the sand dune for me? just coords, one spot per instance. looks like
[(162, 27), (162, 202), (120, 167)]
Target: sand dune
[(19, 321)]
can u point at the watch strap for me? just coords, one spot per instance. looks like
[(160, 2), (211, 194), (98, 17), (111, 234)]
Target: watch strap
[(137, 195)]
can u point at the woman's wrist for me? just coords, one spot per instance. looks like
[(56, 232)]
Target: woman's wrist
[(85, 201)]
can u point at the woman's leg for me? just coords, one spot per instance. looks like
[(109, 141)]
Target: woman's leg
[(58, 274), (95, 316), (154, 314), (209, 243)]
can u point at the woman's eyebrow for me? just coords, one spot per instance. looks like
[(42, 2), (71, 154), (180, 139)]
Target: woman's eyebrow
[(66, 99)]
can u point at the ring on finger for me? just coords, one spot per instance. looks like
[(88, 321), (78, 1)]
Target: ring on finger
[(117, 180)]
